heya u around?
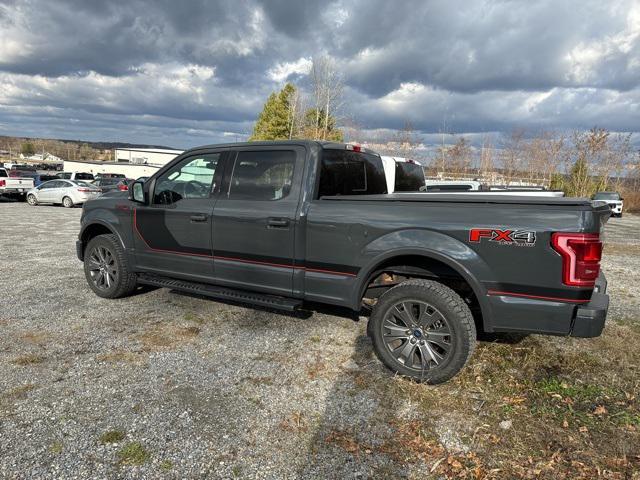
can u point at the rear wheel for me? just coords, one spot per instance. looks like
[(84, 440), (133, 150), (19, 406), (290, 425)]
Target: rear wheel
[(423, 330), (67, 202), (32, 200), (106, 268)]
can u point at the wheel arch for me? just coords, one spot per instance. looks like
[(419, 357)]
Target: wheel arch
[(96, 228), (426, 263)]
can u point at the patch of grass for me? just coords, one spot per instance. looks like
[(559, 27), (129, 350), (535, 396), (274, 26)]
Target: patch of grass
[(166, 465), (56, 447), (18, 392), (29, 359), (576, 391), (193, 317), (166, 336), (133, 453), (112, 436), (236, 471), (295, 423)]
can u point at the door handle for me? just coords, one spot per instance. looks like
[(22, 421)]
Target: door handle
[(278, 223), (200, 217)]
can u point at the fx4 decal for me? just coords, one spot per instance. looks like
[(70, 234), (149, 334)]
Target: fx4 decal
[(521, 238)]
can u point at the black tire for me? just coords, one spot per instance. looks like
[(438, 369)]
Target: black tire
[(443, 335), (67, 202), (104, 256), (32, 200)]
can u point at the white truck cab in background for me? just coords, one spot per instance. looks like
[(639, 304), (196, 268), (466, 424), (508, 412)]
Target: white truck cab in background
[(403, 174)]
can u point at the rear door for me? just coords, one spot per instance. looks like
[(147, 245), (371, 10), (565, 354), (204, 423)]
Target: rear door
[(173, 233), (255, 219)]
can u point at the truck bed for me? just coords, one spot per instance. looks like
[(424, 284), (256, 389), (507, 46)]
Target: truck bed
[(464, 198)]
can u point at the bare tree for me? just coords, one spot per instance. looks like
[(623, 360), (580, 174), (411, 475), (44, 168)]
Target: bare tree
[(328, 89)]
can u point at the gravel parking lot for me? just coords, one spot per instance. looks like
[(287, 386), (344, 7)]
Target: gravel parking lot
[(167, 385)]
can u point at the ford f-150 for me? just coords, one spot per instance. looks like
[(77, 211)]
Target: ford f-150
[(288, 225)]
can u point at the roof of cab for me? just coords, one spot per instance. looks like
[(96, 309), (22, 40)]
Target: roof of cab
[(322, 144)]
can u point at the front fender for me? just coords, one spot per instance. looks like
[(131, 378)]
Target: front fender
[(111, 218)]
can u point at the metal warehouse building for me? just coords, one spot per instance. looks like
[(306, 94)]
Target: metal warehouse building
[(145, 156)]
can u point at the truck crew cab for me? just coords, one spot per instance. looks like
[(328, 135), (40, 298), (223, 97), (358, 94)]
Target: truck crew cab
[(284, 224)]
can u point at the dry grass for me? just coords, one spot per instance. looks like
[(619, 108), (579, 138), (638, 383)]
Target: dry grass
[(295, 423), (28, 359), (167, 336), (118, 356), (573, 407), (621, 249)]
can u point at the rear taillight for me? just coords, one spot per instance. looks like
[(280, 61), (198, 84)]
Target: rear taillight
[(3, 183), (581, 254), (123, 187), (86, 190)]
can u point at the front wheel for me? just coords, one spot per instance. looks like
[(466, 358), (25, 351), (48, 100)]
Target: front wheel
[(32, 200), (106, 268), (423, 330)]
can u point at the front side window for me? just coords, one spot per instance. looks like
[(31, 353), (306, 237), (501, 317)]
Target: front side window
[(262, 175), (344, 172), (190, 179)]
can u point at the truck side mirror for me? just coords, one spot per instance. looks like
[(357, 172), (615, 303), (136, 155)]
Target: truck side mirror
[(136, 192)]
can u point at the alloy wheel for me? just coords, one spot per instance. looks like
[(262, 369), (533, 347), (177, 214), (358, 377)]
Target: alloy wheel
[(102, 268), (417, 335)]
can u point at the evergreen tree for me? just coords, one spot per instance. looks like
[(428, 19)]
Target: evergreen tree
[(274, 121), (27, 149), (314, 122)]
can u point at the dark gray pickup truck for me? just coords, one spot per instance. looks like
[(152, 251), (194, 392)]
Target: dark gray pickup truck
[(290, 225)]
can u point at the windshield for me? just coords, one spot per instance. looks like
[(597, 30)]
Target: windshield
[(607, 196), (409, 177)]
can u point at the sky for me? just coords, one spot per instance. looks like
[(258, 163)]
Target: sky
[(192, 72)]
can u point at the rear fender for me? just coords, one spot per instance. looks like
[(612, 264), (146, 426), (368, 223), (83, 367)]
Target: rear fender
[(433, 245)]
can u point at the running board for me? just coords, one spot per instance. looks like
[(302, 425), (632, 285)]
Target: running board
[(222, 293)]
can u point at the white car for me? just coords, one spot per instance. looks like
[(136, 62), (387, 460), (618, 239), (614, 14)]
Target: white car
[(613, 199), (65, 192), (76, 176)]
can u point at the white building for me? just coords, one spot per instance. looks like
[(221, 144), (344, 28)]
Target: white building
[(145, 156)]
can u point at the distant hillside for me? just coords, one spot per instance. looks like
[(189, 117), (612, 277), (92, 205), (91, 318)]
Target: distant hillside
[(95, 145)]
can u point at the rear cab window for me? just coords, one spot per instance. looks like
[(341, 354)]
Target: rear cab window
[(345, 172)]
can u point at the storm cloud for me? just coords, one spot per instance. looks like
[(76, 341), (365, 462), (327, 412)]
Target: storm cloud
[(197, 71)]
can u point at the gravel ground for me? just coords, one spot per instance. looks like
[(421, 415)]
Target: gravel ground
[(166, 385)]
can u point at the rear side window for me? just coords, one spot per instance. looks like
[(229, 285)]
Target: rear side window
[(84, 176), (343, 172), (262, 175)]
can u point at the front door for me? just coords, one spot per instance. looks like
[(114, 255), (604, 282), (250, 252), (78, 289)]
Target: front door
[(255, 219), (46, 191), (173, 233)]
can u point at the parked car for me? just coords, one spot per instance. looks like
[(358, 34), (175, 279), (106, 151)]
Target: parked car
[(613, 199), (39, 179), (65, 192), (110, 175), (288, 224), (110, 184), (76, 176), (14, 186)]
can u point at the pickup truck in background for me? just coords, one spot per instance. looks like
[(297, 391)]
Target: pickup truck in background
[(290, 225), (14, 186), (613, 199)]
